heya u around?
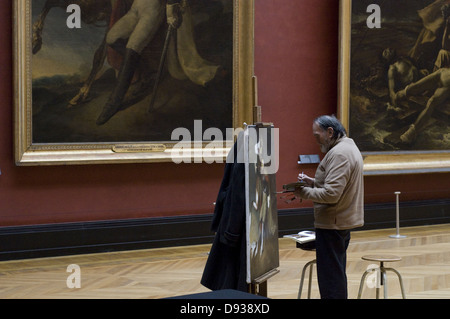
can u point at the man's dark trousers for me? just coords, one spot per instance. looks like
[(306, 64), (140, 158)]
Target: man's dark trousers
[(331, 256)]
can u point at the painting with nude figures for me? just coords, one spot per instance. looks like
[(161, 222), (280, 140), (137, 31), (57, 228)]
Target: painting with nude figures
[(399, 86)]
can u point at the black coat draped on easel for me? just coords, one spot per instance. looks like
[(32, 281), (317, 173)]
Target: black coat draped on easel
[(226, 264)]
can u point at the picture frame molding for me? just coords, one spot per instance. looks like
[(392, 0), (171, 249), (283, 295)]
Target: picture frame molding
[(27, 153)]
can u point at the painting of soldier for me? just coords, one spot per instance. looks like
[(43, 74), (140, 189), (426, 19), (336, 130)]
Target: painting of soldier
[(133, 71)]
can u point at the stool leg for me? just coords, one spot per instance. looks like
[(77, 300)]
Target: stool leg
[(303, 278), (361, 284), (400, 279), (379, 281), (377, 288), (310, 279), (384, 281)]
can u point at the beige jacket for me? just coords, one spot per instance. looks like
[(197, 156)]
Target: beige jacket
[(338, 192)]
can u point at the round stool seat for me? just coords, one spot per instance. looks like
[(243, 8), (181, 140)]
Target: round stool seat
[(382, 258), (381, 278)]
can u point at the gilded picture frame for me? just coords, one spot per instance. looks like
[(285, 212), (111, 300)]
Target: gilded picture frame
[(41, 107), (371, 105)]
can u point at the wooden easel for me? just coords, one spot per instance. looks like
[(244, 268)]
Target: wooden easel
[(259, 285), (256, 107)]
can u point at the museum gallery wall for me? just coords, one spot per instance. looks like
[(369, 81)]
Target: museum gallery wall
[(296, 62)]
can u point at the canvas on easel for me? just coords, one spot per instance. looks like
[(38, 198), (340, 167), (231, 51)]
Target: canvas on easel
[(261, 163)]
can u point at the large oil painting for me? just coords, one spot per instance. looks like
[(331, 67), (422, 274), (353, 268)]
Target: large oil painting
[(395, 83), (94, 75), (261, 200)]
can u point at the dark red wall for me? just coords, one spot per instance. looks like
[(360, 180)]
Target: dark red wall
[(296, 45)]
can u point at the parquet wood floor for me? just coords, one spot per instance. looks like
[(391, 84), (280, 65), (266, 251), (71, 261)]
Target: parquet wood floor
[(167, 272)]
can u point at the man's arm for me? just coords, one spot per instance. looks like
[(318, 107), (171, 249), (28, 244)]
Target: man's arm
[(391, 83), (335, 181)]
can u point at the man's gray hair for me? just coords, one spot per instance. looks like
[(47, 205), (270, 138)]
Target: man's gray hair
[(326, 121)]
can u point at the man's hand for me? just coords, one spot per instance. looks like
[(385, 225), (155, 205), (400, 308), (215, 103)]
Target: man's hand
[(305, 178)]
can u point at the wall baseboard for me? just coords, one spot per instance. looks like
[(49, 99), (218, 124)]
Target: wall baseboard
[(36, 241)]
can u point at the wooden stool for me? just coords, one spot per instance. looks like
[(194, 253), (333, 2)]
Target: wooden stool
[(309, 264), (383, 279)]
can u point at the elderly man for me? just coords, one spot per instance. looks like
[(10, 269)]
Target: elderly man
[(338, 195)]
